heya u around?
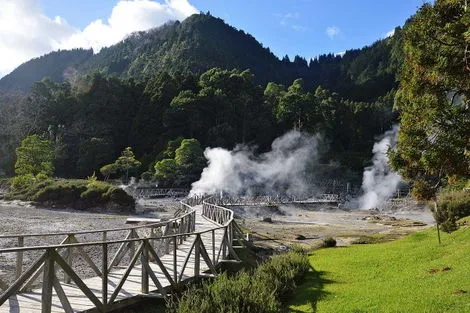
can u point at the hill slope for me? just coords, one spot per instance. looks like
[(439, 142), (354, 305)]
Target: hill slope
[(55, 65), (202, 42)]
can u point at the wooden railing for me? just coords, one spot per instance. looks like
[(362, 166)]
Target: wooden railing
[(142, 248)]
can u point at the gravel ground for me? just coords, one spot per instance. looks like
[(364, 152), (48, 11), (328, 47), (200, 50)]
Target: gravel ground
[(280, 226)]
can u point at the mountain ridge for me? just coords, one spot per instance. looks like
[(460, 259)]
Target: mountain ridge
[(202, 42)]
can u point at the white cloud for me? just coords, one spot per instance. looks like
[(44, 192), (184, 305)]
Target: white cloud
[(25, 32), (299, 28), (341, 54), (390, 33), (287, 19), (332, 31)]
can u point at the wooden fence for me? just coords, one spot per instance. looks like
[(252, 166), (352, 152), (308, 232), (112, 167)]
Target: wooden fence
[(143, 245)]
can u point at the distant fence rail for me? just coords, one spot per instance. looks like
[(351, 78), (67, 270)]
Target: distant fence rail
[(149, 192)]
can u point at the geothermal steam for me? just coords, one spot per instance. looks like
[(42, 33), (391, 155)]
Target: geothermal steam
[(379, 182), (241, 172)]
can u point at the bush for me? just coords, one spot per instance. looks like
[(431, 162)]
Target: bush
[(61, 192), (452, 206), (247, 293), (329, 242), (71, 193)]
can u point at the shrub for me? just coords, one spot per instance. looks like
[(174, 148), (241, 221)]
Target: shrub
[(247, 293), (119, 196), (329, 242), (61, 192), (452, 205), (22, 181)]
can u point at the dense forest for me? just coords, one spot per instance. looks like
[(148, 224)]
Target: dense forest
[(200, 79)]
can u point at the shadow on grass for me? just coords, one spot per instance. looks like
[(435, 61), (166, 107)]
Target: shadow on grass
[(310, 291)]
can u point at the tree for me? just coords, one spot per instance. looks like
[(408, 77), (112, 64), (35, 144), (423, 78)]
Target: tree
[(34, 156), (433, 97), (185, 167), (108, 170), (127, 162)]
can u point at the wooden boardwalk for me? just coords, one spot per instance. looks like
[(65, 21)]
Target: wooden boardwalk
[(188, 247)]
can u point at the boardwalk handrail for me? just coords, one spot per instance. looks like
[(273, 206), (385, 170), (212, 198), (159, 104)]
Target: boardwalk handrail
[(143, 250)]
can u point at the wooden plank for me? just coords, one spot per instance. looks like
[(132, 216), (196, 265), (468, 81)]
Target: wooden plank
[(62, 297)]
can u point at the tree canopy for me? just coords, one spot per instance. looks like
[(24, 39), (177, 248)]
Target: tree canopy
[(34, 156), (433, 97)]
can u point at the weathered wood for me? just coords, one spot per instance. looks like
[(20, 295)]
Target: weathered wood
[(126, 274), (162, 272), (19, 257), (145, 274), (15, 287), (48, 278), (62, 296), (78, 281), (104, 272)]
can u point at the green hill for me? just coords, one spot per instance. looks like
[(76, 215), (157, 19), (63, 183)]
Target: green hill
[(202, 42)]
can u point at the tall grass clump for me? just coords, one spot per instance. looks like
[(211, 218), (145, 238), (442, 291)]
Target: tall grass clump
[(260, 291), (452, 206)]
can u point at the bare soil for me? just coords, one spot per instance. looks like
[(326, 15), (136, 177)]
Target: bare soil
[(307, 225)]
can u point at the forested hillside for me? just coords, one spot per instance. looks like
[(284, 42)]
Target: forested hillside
[(202, 42), (201, 79), (59, 66)]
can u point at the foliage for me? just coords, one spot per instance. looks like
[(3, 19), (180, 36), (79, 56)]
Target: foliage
[(452, 205), (125, 164), (78, 194), (396, 276), (185, 167), (34, 156), (245, 292), (433, 97), (55, 65), (205, 80)]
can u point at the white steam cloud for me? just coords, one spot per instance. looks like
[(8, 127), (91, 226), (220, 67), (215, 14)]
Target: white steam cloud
[(241, 172), (379, 182)]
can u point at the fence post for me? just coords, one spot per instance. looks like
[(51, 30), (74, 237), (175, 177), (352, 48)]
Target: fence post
[(69, 257), (19, 257), (104, 273), (197, 255), (48, 277), (175, 263), (144, 260)]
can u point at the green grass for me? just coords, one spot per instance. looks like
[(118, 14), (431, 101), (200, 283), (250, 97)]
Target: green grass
[(390, 277)]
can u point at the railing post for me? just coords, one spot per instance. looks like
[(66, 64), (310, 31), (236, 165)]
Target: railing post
[(175, 262), (132, 244), (104, 273), (19, 257), (48, 277), (197, 255), (144, 260), (213, 247), (69, 257)]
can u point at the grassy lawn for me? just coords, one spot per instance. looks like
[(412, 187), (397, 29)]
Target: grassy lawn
[(410, 275)]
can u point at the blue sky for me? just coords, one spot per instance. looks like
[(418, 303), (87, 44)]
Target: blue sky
[(31, 28), (287, 27)]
